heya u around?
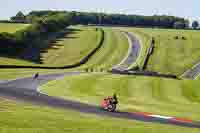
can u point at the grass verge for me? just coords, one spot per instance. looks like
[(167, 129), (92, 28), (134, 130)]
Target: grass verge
[(18, 117), (171, 55), (159, 96), (11, 28), (113, 51)]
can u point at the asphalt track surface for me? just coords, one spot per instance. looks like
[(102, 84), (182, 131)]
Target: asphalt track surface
[(192, 73), (26, 89), (133, 52)]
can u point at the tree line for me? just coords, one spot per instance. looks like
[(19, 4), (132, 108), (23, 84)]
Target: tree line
[(115, 19), (12, 44), (46, 22), (86, 18)]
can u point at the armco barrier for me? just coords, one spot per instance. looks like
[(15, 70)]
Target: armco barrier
[(150, 52), (83, 61), (144, 73)]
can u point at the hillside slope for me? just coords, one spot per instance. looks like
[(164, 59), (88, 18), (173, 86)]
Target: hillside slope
[(159, 96), (171, 55)]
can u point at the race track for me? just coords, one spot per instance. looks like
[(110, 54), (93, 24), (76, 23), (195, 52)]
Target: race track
[(193, 73), (133, 52), (26, 89)]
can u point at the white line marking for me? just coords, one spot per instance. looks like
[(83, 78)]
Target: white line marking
[(197, 77), (189, 70), (128, 53), (160, 116)]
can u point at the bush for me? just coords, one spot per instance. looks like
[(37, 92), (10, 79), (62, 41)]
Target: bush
[(8, 44), (179, 25), (184, 38), (7, 38), (176, 37), (42, 27)]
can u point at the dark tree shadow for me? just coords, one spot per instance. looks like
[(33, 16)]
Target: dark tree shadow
[(33, 53)]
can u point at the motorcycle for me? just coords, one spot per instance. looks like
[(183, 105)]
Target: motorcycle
[(109, 104)]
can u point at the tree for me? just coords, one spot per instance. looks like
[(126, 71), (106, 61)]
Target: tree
[(195, 24), (113, 19), (179, 25), (19, 18)]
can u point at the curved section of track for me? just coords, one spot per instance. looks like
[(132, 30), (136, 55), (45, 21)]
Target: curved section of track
[(133, 52), (192, 73), (26, 89)]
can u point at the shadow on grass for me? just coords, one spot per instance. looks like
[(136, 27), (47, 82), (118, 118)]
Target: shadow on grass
[(39, 48), (34, 52)]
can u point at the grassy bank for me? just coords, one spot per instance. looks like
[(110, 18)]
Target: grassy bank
[(112, 52), (11, 28), (66, 50), (73, 47), (18, 117), (171, 55), (160, 96)]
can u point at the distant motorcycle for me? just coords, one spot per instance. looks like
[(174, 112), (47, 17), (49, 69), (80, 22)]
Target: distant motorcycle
[(36, 76), (109, 103)]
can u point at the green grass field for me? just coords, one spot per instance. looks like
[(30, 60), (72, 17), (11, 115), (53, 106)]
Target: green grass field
[(113, 51), (76, 46), (171, 55), (11, 28), (198, 77), (159, 96), (66, 51), (6, 74), (73, 48), (12, 61), (180, 98), (19, 117)]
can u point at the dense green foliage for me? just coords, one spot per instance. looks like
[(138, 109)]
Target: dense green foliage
[(33, 33), (60, 48), (43, 27), (72, 47), (45, 22), (8, 44), (19, 18), (195, 24), (180, 25), (114, 19)]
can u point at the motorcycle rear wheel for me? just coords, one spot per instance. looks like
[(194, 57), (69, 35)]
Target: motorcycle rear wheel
[(112, 107)]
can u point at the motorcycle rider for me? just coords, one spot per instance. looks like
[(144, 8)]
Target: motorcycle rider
[(112, 99), (115, 99), (109, 103), (36, 76)]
